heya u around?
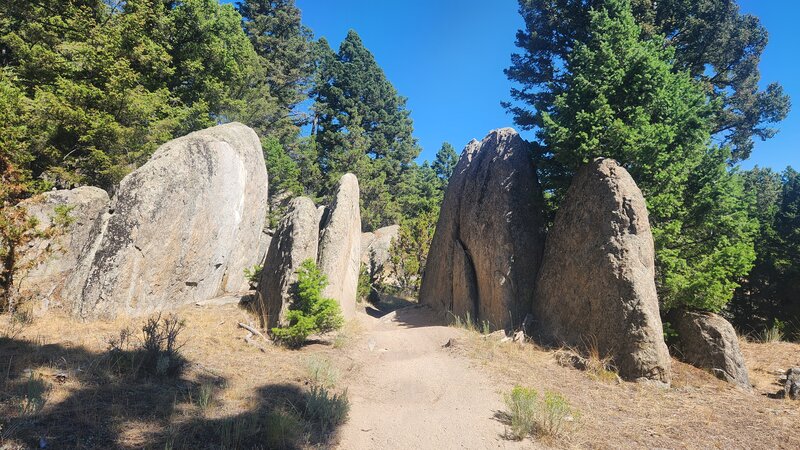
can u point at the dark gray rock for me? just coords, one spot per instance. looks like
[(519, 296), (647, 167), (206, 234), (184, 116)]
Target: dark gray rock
[(487, 247), (708, 341)]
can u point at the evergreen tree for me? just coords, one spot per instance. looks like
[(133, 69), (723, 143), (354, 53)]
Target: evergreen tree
[(445, 162), (284, 46), (111, 83), (622, 99), (713, 42), (362, 126)]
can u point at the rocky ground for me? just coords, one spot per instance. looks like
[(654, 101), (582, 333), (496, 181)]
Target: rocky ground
[(411, 382)]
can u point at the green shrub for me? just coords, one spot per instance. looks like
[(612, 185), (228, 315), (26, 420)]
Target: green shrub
[(253, 273), (325, 409), (309, 312), (529, 414)]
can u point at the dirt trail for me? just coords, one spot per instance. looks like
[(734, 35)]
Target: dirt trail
[(410, 393)]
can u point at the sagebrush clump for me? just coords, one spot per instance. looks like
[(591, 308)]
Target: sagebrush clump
[(529, 414), (310, 312)]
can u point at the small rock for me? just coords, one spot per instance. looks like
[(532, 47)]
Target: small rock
[(791, 388)]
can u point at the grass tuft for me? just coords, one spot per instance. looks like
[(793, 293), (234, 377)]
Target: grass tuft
[(528, 414)]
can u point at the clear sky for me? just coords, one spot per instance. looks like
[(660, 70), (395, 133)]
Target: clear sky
[(447, 57)]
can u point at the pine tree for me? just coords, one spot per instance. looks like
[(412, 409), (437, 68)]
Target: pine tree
[(713, 42), (445, 162), (362, 126), (622, 99), (284, 46)]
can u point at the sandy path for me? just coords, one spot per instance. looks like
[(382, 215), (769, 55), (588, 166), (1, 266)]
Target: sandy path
[(411, 393)]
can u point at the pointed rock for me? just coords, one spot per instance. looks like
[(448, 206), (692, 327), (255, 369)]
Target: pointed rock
[(596, 286), (295, 240), (340, 245), (488, 242)]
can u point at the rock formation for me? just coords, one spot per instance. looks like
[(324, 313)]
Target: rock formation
[(65, 224), (295, 240), (183, 227), (375, 248), (340, 245), (708, 341), (488, 242), (791, 386), (596, 285)]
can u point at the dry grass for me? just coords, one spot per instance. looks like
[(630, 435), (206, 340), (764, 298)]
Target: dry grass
[(697, 411), (229, 395)]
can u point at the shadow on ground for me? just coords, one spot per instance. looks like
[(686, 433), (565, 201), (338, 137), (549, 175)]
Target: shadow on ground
[(57, 396)]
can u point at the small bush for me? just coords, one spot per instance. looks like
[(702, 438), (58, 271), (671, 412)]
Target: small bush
[(156, 353), (528, 414), (325, 409), (321, 372), (773, 333), (310, 312), (253, 274)]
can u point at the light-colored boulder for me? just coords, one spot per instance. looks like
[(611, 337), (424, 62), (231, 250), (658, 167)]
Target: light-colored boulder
[(597, 286), (340, 245), (488, 242), (183, 227), (375, 247), (295, 240), (708, 341), (66, 223)]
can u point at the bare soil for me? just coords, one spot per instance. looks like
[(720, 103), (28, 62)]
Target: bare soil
[(412, 383)]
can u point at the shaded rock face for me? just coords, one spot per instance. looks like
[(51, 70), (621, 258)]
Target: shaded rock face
[(340, 245), (596, 285), (487, 247), (295, 240), (183, 227), (708, 341), (375, 247), (67, 221), (791, 387)]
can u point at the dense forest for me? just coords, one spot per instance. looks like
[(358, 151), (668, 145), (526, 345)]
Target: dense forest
[(90, 88)]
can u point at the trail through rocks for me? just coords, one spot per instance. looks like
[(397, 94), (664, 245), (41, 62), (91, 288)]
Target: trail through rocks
[(410, 392)]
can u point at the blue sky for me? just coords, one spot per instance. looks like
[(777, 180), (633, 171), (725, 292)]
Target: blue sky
[(447, 57)]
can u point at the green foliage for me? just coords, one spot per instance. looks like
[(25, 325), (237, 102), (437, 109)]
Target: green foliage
[(445, 162), (110, 84), (769, 292), (409, 251), (362, 126), (712, 41), (284, 47), (61, 217), (284, 173), (253, 274), (364, 283), (619, 97), (530, 415), (309, 312)]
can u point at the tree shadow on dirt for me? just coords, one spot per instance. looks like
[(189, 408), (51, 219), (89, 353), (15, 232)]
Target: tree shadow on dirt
[(58, 396)]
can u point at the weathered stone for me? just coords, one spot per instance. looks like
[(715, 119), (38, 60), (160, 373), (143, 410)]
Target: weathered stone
[(295, 241), (487, 247), (708, 341), (596, 286), (340, 245), (65, 224), (791, 387), (375, 247), (184, 226)]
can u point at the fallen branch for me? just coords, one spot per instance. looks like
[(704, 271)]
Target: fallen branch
[(249, 340), (253, 331)]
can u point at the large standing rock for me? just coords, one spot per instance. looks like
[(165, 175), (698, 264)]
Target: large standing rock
[(184, 225), (65, 224), (488, 242), (596, 285), (708, 341), (295, 240), (340, 245), (375, 248)]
